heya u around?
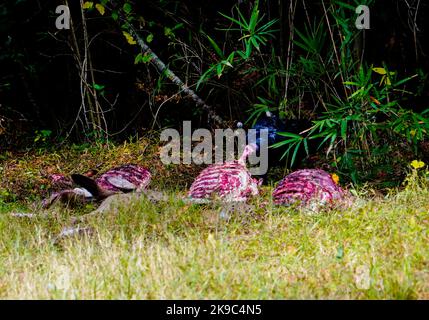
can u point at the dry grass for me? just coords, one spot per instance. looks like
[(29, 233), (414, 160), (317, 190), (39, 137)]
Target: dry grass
[(24, 176)]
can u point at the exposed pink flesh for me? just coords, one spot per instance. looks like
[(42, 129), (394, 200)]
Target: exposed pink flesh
[(307, 185)]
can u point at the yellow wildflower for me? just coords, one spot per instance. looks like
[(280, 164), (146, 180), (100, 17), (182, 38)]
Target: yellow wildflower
[(335, 177), (417, 164)]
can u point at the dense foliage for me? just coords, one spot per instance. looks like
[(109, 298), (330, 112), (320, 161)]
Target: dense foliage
[(365, 91)]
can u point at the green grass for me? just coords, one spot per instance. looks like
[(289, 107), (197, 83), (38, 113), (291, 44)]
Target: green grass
[(378, 249)]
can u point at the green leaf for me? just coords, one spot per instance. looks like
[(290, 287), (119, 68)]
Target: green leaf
[(255, 115), (177, 26), (230, 58), (115, 15), (289, 135), (215, 46), (351, 83), (149, 38), (46, 133), (248, 50), (127, 8), (233, 20), (253, 19), (138, 58), (282, 143), (98, 87), (204, 77), (219, 70), (147, 58), (405, 80), (242, 54), (295, 153), (255, 43), (345, 5), (306, 147), (168, 32)]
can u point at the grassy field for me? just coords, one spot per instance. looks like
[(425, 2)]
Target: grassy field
[(377, 249)]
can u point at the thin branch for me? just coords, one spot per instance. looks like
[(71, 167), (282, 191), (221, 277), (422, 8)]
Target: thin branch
[(163, 69)]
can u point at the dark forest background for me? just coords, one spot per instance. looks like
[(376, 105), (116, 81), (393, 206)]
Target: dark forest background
[(364, 92)]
